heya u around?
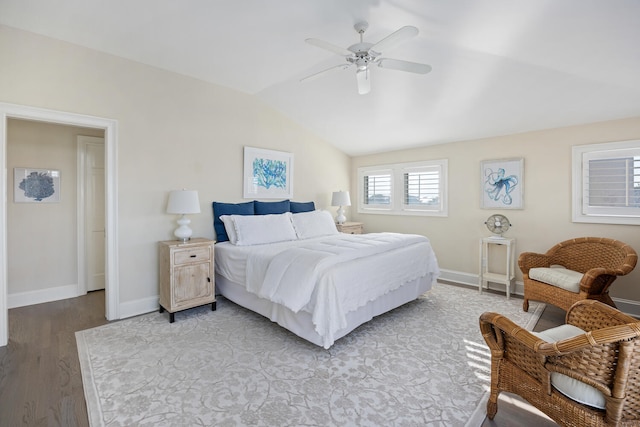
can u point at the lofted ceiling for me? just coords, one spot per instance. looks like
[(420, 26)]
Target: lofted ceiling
[(499, 66)]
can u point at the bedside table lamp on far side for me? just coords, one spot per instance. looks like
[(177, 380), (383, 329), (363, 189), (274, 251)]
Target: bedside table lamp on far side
[(183, 202), (340, 198)]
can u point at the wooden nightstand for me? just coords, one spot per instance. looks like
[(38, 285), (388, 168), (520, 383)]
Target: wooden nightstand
[(186, 275), (351, 227)]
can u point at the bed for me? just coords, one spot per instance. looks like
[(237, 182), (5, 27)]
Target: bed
[(287, 262)]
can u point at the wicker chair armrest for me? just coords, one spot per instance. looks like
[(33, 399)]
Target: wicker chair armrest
[(601, 271), (598, 280), (489, 322), (528, 260), (590, 339)]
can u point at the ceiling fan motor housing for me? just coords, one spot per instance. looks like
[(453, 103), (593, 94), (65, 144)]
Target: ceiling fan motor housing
[(363, 54)]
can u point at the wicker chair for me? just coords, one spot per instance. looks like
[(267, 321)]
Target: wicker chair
[(600, 260), (606, 357)]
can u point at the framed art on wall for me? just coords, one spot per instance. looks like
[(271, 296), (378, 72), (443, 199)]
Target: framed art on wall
[(36, 185), (502, 184), (268, 174)]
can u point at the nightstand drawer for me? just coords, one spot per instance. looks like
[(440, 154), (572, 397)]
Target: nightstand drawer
[(187, 256)]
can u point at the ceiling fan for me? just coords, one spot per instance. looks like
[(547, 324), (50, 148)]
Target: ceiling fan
[(364, 54)]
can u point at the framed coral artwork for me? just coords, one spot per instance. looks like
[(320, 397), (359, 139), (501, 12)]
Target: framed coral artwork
[(268, 174), (502, 184), (36, 185)]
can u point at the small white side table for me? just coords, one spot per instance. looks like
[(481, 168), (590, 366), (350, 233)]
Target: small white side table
[(487, 276)]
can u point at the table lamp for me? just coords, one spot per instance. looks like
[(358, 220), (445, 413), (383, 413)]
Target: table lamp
[(340, 198), (183, 202)]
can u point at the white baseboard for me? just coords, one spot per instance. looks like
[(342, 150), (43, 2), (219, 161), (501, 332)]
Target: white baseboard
[(139, 306), (21, 299), (147, 305), (630, 307)]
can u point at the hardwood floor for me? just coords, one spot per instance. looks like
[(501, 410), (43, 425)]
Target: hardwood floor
[(40, 381), (41, 384)]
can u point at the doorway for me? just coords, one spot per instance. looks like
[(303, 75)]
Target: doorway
[(109, 126)]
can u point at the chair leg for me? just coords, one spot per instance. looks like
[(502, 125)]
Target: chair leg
[(492, 406), (525, 305)]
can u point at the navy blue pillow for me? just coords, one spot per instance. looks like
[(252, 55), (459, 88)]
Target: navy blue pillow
[(266, 208), (297, 207), (228, 209)]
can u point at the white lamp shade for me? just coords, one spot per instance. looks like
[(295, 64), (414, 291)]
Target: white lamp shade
[(183, 202), (340, 198)]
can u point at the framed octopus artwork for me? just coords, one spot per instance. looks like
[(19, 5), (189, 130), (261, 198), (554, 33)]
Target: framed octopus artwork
[(502, 184)]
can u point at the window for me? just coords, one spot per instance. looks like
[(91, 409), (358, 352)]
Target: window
[(403, 189), (606, 183)]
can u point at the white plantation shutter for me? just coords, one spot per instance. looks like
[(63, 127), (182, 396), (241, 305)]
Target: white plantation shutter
[(607, 183), (377, 188), (610, 182), (422, 188)]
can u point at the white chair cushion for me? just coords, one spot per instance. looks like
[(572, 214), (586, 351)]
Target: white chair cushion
[(557, 276), (570, 387)]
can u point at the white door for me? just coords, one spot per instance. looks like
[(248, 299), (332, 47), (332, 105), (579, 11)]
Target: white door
[(94, 209)]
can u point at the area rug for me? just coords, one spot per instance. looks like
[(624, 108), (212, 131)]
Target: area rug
[(424, 363)]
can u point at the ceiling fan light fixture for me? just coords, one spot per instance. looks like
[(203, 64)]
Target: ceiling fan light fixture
[(364, 83), (364, 54)]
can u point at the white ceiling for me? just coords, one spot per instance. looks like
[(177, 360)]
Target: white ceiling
[(499, 66)]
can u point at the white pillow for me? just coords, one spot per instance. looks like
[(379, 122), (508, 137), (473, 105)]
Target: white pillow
[(570, 387), (229, 227), (314, 224), (260, 229)]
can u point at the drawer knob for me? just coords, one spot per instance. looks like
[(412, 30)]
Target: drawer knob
[(192, 256)]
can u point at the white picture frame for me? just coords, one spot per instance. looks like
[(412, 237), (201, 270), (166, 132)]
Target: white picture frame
[(502, 184), (31, 185), (268, 174)]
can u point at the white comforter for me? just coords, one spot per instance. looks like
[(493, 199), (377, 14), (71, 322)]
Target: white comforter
[(331, 276)]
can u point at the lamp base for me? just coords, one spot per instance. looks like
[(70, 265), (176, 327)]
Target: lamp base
[(340, 219), (183, 232)]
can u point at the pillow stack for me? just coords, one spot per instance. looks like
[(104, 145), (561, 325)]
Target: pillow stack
[(254, 207), (246, 230)]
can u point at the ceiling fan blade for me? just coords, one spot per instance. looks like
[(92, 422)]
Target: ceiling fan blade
[(329, 46), (397, 64), (323, 72), (364, 81), (394, 38)]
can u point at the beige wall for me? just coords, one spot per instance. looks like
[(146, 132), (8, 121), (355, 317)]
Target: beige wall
[(42, 238), (176, 132), (173, 132), (546, 217)]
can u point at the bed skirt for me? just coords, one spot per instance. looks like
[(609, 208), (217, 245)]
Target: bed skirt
[(301, 323)]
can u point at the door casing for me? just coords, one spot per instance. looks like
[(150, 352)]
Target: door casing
[(7, 111)]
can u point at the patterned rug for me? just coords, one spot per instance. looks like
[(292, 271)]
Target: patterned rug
[(423, 364)]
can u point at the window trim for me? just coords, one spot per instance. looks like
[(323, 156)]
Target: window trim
[(579, 152), (397, 206)]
